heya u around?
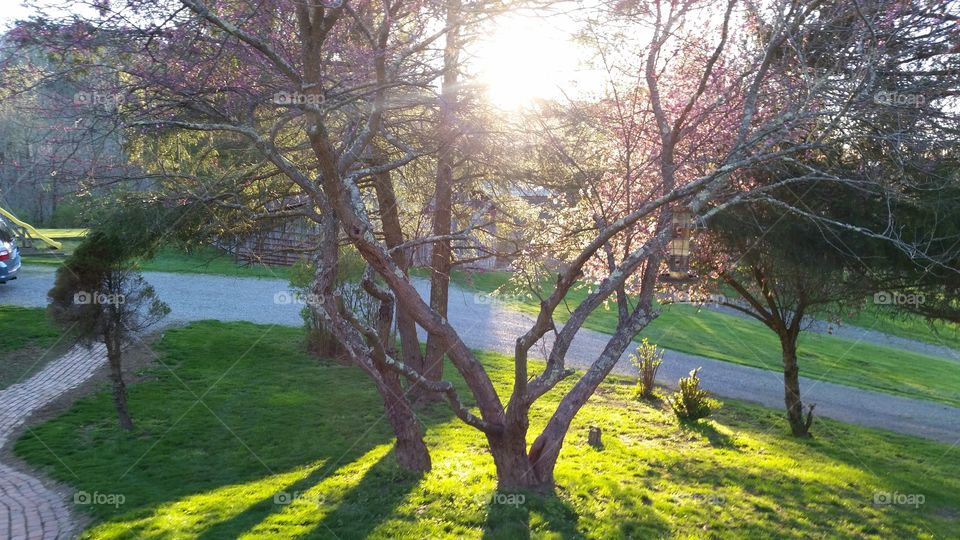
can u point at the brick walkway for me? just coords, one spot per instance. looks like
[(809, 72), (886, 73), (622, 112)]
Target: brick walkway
[(28, 509)]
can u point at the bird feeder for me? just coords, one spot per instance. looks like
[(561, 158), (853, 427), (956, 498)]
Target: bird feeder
[(678, 250)]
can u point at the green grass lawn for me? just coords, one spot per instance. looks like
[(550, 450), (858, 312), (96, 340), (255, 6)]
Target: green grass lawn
[(26, 339), (206, 260), (908, 326), (743, 341), (276, 424), (872, 317), (210, 260)]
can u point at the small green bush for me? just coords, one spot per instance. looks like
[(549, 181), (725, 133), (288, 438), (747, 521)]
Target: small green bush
[(690, 402), (350, 265), (647, 358)]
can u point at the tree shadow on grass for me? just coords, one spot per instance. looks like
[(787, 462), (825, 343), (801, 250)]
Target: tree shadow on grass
[(899, 464), (202, 474), (513, 516), (372, 500), (858, 463), (259, 511), (717, 438)]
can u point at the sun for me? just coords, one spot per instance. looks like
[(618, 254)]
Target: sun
[(525, 57)]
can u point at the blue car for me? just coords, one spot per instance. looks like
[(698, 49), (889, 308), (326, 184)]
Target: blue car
[(9, 253)]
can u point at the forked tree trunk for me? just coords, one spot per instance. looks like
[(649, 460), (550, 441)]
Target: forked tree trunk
[(791, 386), (515, 470), (519, 469), (411, 451), (115, 359)]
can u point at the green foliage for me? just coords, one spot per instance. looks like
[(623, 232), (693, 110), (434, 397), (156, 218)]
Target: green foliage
[(350, 266), (647, 358), (319, 340), (690, 402), (301, 274), (70, 212), (297, 424), (101, 265)]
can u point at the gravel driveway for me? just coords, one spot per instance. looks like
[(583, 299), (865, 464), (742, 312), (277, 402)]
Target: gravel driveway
[(489, 326)]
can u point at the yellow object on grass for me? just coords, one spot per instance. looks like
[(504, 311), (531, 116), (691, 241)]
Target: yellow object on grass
[(31, 231)]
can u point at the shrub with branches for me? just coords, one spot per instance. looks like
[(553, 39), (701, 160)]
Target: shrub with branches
[(690, 402), (647, 359)]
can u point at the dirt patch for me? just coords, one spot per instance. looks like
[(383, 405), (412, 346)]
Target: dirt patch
[(21, 364)]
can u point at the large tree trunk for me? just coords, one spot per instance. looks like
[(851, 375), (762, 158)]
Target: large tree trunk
[(411, 452), (533, 470), (393, 237), (440, 260), (791, 386), (515, 467), (115, 359)]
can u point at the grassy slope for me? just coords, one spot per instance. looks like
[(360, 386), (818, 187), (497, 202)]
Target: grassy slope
[(25, 339), (733, 339), (207, 260), (902, 325), (274, 420), (210, 260), (908, 326)]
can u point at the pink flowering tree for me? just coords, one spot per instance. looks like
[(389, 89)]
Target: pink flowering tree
[(324, 95)]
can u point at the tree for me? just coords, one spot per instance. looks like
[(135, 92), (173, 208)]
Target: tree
[(664, 141), (48, 153), (784, 272), (97, 296), (440, 263), (789, 251)]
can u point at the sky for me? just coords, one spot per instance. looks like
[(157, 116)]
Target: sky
[(527, 56), (11, 11)]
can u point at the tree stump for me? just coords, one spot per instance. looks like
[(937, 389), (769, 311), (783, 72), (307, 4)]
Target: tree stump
[(593, 438)]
